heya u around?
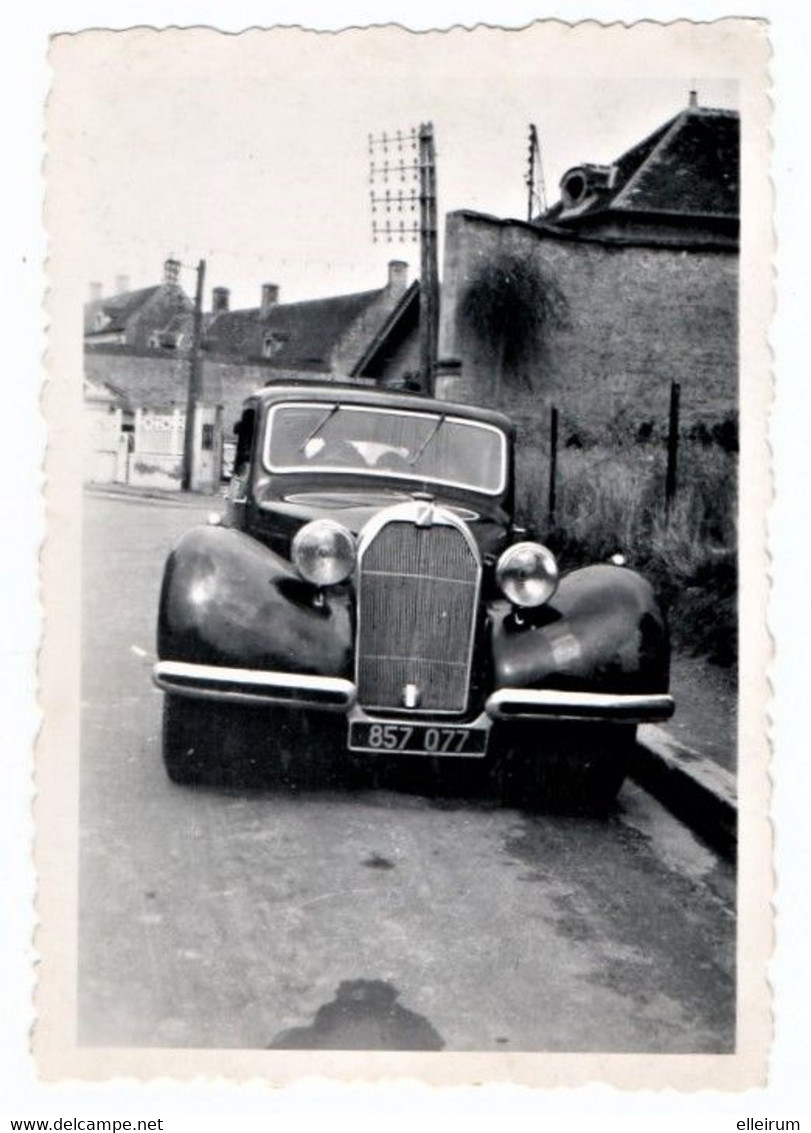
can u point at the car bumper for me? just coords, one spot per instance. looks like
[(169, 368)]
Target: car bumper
[(538, 704), (334, 694), (254, 686)]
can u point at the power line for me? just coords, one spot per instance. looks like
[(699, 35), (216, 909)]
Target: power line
[(394, 180)]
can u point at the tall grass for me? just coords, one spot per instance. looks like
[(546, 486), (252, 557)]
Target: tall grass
[(610, 500)]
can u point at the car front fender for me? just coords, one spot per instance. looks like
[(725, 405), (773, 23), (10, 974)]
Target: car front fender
[(228, 600), (602, 632)]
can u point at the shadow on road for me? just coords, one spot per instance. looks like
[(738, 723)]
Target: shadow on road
[(364, 1015)]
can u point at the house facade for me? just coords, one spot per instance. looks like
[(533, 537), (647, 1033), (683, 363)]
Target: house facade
[(137, 358), (392, 355), (157, 318)]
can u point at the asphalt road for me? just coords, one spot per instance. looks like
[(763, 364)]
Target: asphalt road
[(374, 918)]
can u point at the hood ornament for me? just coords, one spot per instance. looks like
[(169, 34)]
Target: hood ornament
[(425, 508)]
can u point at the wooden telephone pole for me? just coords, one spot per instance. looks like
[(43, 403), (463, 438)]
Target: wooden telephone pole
[(193, 391), (429, 271)]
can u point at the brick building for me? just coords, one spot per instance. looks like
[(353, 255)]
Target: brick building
[(630, 281)]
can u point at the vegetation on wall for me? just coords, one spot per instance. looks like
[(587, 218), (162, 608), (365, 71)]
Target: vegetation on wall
[(509, 303)]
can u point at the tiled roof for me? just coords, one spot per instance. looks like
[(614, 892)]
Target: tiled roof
[(117, 308), (305, 333), (689, 166)]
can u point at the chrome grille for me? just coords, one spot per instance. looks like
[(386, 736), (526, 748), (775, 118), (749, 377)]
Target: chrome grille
[(418, 593)]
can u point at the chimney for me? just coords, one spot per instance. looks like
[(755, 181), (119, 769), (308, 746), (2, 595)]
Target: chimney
[(95, 291), (270, 296), (171, 271), (398, 275), (122, 284), (220, 300), (692, 101)]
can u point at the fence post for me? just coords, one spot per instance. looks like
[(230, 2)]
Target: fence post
[(553, 464), (672, 448)]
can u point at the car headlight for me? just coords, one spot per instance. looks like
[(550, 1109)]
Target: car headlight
[(323, 552), (527, 574)]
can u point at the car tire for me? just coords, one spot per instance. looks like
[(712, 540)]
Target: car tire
[(189, 751), (565, 769), (248, 746)]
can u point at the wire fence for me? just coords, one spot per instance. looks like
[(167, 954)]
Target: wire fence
[(638, 488)]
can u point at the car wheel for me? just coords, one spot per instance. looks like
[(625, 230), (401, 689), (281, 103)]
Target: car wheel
[(565, 768), (189, 751), (247, 746)]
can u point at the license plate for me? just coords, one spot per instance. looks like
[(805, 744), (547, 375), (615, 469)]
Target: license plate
[(417, 739)]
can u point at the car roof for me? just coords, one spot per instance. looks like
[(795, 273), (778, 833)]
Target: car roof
[(354, 393)]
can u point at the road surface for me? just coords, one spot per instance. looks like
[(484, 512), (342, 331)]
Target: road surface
[(375, 918)]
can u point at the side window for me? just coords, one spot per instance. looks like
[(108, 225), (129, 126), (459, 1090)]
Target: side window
[(244, 429)]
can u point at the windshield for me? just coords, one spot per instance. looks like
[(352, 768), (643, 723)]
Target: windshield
[(319, 436)]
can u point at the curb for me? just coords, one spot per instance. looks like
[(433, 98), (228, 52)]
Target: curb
[(692, 787)]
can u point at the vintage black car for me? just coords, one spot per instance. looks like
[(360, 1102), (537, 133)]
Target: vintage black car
[(367, 576)]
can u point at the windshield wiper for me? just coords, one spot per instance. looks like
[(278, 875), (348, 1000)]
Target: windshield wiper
[(313, 433), (418, 454)]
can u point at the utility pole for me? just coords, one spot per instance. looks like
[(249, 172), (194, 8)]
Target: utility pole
[(536, 190), (672, 448), (193, 392), (429, 272), (553, 465), (402, 175)]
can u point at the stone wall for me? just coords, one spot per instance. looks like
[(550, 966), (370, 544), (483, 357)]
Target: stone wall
[(160, 381), (153, 381), (631, 319), (402, 362)]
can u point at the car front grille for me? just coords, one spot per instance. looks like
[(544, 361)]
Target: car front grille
[(418, 594)]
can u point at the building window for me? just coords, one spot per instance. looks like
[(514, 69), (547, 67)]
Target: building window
[(165, 340), (272, 344)]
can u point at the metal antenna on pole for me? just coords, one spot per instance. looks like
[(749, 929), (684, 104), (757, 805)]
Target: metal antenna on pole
[(402, 178), (536, 189)]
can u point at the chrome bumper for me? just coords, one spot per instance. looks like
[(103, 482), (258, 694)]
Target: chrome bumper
[(334, 694), (538, 704), (254, 686)]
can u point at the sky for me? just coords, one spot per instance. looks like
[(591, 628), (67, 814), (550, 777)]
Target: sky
[(251, 151)]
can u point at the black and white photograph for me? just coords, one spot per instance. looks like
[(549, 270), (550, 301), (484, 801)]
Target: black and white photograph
[(407, 398)]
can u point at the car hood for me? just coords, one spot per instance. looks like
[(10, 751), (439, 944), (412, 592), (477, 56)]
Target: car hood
[(354, 508)]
